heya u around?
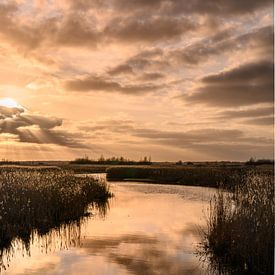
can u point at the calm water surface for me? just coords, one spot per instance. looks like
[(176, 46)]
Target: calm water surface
[(148, 229)]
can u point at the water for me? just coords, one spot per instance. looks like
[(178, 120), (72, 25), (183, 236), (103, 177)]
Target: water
[(148, 229)]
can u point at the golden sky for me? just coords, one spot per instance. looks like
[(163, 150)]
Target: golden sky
[(190, 80)]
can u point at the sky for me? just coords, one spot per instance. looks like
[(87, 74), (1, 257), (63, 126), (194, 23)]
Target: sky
[(171, 79)]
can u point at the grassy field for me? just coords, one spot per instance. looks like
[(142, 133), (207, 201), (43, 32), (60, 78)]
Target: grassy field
[(43, 199), (240, 234)]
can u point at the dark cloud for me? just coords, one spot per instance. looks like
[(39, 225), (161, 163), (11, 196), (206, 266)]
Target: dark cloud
[(222, 42), (62, 30), (247, 84), (218, 8), (78, 26), (96, 83), (74, 30), (151, 76), (121, 69), (81, 29), (27, 35), (32, 128), (147, 29), (144, 65), (213, 7)]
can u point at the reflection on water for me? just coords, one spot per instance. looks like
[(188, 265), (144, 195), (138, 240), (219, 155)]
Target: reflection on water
[(149, 229), (65, 236)]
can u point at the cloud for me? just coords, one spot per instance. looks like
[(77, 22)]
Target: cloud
[(61, 30), (121, 69), (216, 143), (97, 83), (262, 116), (9, 112), (32, 128), (152, 76), (245, 85), (260, 39), (258, 112), (219, 8), (147, 64), (81, 29), (128, 21), (261, 121), (146, 255), (147, 29)]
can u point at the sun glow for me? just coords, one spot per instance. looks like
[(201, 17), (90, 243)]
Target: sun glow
[(9, 103)]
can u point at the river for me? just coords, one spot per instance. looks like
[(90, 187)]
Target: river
[(147, 229)]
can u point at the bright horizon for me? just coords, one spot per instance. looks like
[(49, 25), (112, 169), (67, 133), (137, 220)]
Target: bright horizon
[(144, 78)]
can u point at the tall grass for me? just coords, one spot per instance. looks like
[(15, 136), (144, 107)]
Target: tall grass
[(194, 176), (41, 200), (240, 233)]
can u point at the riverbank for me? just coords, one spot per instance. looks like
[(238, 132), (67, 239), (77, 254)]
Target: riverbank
[(195, 174), (208, 176)]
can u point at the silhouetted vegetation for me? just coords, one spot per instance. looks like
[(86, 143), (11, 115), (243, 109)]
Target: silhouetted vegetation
[(112, 161), (6, 161), (240, 234), (86, 168), (253, 161), (28, 168), (185, 175), (42, 200)]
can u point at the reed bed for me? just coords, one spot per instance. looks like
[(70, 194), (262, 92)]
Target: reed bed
[(240, 234), (194, 176), (28, 168), (41, 200)]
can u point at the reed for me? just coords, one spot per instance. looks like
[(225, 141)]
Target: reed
[(193, 175), (240, 234), (41, 200)]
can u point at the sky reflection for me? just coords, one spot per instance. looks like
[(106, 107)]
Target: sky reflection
[(149, 229)]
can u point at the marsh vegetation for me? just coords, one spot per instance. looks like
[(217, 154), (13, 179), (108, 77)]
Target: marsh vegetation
[(38, 201), (41, 200), (112, 161), (240, 235), (210, 176)]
